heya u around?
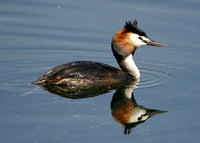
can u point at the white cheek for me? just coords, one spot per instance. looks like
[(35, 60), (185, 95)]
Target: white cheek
[(145, 38), (138, 42), (138, 113)]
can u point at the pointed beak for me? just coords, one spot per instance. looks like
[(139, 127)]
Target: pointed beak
[(154, 43)]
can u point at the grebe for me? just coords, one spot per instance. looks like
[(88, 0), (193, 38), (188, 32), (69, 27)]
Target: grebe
[(124, 44)]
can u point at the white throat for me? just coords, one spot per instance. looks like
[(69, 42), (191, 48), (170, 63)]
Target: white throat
[(129, 65)]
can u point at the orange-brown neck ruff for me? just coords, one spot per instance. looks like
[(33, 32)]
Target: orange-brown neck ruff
[(122, 42), (123, 48)]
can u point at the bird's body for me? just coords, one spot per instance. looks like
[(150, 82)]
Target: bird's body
[(76, 73), (124, 44)]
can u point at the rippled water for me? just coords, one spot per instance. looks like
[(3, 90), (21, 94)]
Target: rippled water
[(38, 35)]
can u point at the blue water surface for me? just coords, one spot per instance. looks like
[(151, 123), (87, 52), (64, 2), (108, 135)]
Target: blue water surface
[(37, 35)]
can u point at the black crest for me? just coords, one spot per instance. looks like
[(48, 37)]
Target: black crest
[(132, 26)]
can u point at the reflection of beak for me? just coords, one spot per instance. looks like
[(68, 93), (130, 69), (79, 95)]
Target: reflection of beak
[(154, 43)]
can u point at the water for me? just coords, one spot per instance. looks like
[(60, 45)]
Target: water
[(38, 35)]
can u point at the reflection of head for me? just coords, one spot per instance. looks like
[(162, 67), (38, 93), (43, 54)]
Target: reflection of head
[(127, 112), (124, 108)]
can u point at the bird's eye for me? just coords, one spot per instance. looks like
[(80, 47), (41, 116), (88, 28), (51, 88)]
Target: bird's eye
[(140, 38)]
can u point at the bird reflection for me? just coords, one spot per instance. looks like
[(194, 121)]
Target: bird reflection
[(124, 108), (78, 92), (127, 112)]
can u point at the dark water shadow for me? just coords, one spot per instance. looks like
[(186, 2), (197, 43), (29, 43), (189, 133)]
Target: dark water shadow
[(79, 92), (124, 108)]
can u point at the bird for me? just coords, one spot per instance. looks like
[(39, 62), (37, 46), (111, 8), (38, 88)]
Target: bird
[(84, 73)]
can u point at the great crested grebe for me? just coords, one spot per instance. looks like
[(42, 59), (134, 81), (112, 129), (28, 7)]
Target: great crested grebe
[(124, 44)]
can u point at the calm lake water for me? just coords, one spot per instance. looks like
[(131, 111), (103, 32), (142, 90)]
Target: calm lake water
[(37, 35)]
